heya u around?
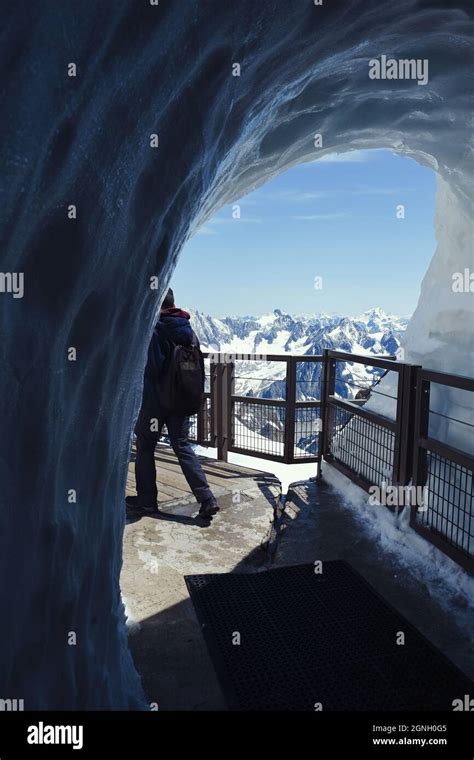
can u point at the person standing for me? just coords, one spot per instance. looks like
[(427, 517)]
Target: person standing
[(162, 376)]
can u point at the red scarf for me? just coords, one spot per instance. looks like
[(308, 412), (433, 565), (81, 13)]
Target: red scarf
[(173, 311)]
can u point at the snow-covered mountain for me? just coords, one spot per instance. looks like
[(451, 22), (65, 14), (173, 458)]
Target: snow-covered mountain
[(374, 332)]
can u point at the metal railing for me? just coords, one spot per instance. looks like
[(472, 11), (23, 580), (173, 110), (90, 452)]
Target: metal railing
[(382, 437), (375, 448), (283, 429), (445, 472)]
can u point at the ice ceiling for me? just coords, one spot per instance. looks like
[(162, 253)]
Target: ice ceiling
[(84, 140)]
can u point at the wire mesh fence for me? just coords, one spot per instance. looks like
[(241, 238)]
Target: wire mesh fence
[(258, 428), (307, 432), (448, 504), (288, 409), (443, 464), (363, 447), (276, 423)]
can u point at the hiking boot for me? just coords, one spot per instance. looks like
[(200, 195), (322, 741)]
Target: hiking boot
[(209, 507), (136, 506)]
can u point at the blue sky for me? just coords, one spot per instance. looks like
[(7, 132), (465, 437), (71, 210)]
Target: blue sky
[(334, 219)]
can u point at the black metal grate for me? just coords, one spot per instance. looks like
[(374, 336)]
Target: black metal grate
[(308, 638), (259, 428), (363, 447), (449, 500), (307, 421)]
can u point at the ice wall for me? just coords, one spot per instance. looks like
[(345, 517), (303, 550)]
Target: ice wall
[(440, 334), (84, 140)]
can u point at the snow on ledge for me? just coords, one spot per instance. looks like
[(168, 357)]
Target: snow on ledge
[(445, 580)]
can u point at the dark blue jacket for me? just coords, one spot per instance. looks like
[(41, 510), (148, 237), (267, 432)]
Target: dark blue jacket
[(173, 327)]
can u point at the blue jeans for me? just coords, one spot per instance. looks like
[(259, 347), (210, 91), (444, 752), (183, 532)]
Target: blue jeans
[(145, 472)]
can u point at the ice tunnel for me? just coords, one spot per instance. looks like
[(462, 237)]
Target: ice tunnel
[(125, 126)]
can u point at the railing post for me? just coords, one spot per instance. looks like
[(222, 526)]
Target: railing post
[(290, 410), (328, 387), (322, 414), (399, 415), (219, 417), (407, 421), (215, 403), (227, 406), (222, 407), (421, 428), (402, 455)]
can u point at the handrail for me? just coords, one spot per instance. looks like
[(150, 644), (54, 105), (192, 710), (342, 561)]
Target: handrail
[(377, 419), (462, 458), (259, 400), (462, 382), (263, 357), (374, 361)]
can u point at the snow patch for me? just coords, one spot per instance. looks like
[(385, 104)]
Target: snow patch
[(446, 581)]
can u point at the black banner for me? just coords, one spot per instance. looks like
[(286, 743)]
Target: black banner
[(415, 735)]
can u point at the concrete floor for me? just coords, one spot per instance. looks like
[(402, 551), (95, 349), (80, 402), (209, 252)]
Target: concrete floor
[(167, 643)]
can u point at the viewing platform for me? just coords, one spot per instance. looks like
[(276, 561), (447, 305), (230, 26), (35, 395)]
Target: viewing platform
[(254, 533)]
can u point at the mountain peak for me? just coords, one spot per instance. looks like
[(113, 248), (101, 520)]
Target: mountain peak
[(376, 315), (376, 311)]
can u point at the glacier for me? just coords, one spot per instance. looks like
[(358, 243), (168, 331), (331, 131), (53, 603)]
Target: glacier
[(162, 75)]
